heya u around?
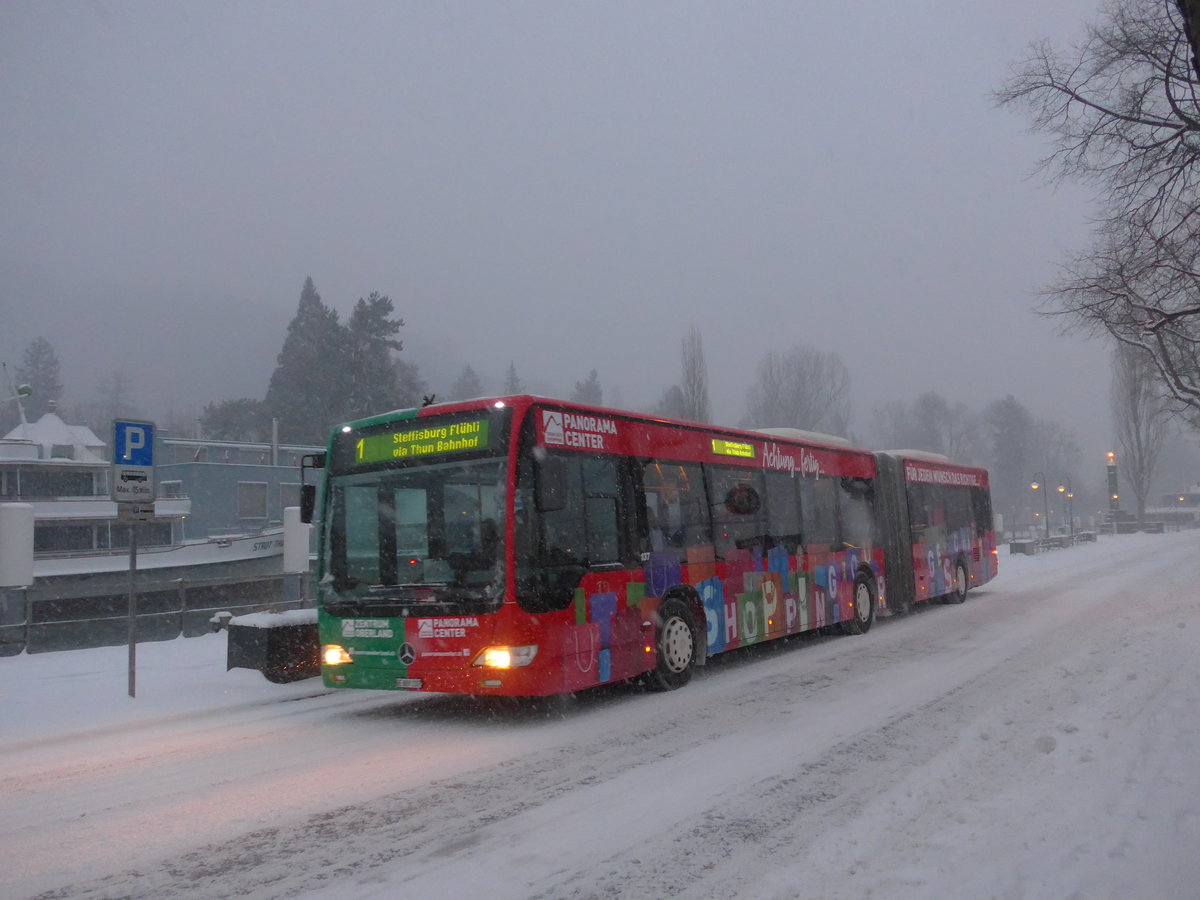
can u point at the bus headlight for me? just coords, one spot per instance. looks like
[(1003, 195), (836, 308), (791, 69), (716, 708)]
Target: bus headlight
[(335, 655), (506, 657)]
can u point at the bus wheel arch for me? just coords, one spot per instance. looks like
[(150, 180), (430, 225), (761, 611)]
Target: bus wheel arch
[(677, 640), (864, 604)]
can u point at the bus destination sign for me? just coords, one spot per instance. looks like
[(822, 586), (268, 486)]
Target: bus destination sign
[(733, 448), (414, 441)]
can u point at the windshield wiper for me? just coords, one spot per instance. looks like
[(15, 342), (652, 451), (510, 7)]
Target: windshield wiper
[(407, 592)]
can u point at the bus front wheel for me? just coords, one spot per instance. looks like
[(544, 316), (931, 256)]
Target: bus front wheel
[(675, 646)]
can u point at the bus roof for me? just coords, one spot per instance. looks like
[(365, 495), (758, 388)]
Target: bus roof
[(927, 455), (806, 437), (520, 400), (588, 427)]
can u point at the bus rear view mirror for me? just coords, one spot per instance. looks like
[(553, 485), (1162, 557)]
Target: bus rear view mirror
[(552, 484), (308, 502), (308, 492)]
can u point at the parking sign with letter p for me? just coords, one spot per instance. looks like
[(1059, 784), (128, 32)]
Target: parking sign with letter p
[(132, 475)]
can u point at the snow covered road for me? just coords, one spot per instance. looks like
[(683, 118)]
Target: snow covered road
[(1039, 741)]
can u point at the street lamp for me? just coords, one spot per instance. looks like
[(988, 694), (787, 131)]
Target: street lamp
[(1039, 484), (1068, 496), (1113, 495)]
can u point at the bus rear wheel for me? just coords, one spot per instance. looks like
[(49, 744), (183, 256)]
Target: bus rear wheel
[(675, 647), (864, 607), (959, 592)]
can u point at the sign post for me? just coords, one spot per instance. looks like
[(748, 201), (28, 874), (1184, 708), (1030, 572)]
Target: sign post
[(131, 485)]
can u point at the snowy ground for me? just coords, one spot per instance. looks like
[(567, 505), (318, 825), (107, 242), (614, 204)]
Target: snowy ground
[(1039, 741)]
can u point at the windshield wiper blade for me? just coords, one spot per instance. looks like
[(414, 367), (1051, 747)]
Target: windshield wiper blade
[(408, 592)]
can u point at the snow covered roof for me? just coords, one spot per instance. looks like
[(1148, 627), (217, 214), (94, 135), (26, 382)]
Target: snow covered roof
[(51, 432)]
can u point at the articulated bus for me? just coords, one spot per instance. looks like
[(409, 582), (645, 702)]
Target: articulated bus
[(522, 546)]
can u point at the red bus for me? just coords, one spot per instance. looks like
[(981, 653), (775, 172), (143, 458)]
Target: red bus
[(524, 546)]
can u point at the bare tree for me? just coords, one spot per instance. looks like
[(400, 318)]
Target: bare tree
[(694, 386), (116, 396), (802, 388), (891, 425), (1190, 10), (1140, 417), (1020, 447), (1124, 110), (932, 423)]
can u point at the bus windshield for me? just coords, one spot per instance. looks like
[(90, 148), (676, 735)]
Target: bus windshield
[(425, 535)]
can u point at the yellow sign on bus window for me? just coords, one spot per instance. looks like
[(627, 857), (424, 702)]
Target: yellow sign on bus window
[(732, 448)]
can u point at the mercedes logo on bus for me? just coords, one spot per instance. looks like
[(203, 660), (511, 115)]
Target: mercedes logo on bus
[(407, 653)]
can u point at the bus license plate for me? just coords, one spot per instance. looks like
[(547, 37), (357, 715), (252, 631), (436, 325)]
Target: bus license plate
[(408, 684)]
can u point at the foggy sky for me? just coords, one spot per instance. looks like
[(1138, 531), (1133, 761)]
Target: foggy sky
[(566, 186)]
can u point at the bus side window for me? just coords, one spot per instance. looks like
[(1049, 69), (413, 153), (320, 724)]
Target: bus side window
[(676, 507), (918, 514), (735, 497), (783, 509), (958, 509), (857, 500), (818, 511), (981, 512), (652, 502), (602, 504), (579, 503)]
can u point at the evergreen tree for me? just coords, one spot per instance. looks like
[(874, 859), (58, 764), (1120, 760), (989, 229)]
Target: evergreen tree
[(311, 382), (672, 403), (467, 386), (371, 333), (411, 388), (512, 383), (589, 391), (40, 370), (236, 420)]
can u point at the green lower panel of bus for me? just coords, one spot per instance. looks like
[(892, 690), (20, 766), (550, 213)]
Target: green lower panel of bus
[(408, 653)]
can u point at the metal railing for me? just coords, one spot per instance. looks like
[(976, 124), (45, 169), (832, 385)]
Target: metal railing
[(35, 622)]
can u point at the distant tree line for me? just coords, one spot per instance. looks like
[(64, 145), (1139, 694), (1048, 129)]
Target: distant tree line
[(328, 371)]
